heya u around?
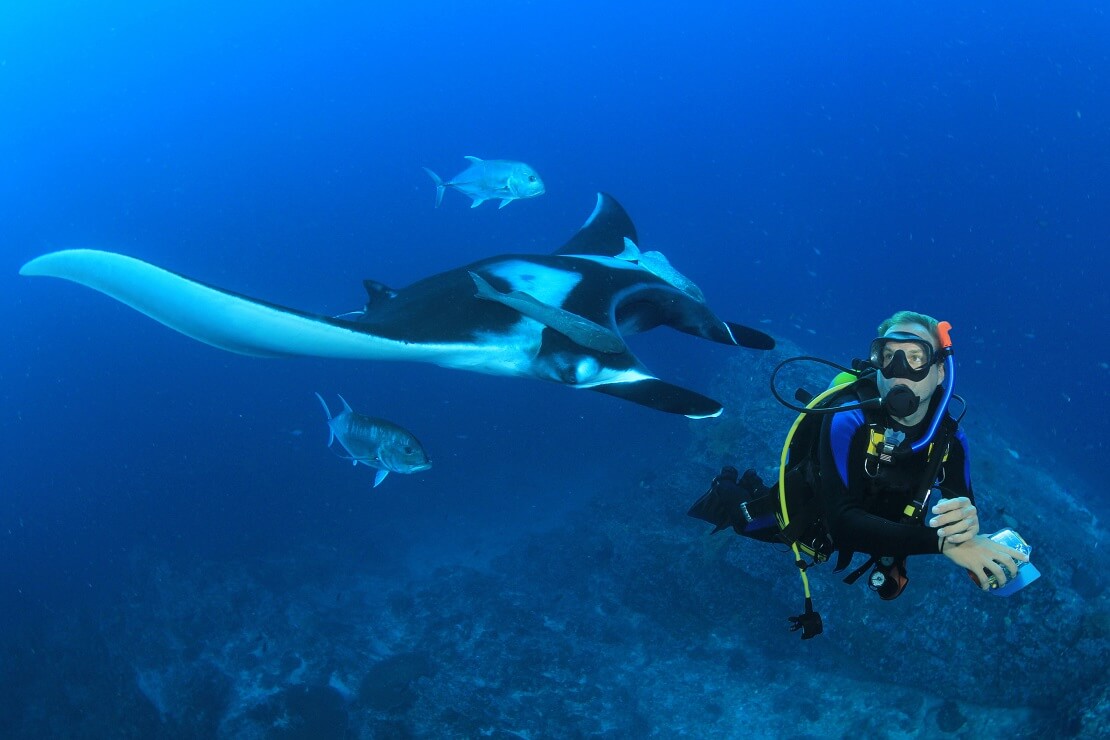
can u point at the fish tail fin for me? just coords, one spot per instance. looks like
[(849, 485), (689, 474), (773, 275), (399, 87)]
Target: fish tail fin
[(440, 187), (331, 433)]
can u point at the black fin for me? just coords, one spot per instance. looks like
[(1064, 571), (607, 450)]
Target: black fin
[(376, 293), (708, 508), (604, 231), (663, 396), (751, 338)]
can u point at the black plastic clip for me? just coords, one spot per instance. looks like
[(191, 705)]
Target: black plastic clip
[(809, 622)]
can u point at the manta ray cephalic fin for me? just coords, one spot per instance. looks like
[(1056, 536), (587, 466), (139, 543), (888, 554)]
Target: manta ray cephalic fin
[(663, 396)]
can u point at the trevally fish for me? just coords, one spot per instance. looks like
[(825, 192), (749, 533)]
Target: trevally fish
[(375, 442), (491, 179)]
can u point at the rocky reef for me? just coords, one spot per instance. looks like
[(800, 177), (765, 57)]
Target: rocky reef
[(627, 620)]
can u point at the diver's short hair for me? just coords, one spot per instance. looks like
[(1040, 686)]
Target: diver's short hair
[(912, 317)]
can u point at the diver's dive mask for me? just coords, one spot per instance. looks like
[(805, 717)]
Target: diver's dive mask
[(903, 355)]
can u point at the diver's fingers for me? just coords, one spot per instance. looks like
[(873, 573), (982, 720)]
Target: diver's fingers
[(1001, 575), (945, 519), (951, 511), (1010, 560), (973, 525), (968, 528), (1016, 555), (960, 537), (951, 504), (1006, 558), (958, 530)]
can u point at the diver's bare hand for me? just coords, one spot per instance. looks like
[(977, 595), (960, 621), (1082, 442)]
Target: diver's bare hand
[(957, 519), (983, 555)]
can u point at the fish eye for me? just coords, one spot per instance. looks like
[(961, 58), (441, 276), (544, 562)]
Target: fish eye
[(408, 450), (531, 178)]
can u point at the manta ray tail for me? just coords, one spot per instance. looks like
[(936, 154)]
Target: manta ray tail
[(217, 317)]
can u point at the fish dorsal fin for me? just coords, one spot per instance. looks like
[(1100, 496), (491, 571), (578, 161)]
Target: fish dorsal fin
[(376, 293), (346, 406), (630, 253), (472, 160), (604, 232)]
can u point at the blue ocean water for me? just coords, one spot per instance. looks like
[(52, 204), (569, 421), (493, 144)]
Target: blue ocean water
[(812, 167)]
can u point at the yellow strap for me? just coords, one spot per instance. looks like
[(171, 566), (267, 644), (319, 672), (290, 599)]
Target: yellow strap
[(802, 571), (785, 518), (786, 449)]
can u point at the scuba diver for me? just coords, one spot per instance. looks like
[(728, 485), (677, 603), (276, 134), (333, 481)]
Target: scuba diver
[(875, 464)]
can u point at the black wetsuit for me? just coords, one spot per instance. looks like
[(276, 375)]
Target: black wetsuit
[(864, 513)]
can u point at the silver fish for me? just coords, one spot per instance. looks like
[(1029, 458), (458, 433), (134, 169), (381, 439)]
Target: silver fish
[(375, 442), (657, 264), (576, 328), (491, 179)]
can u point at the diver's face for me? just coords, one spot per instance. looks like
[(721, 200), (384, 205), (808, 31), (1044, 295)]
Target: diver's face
[(923, 388)]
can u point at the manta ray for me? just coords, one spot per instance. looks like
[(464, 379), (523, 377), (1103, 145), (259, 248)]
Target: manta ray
[(559, 317)]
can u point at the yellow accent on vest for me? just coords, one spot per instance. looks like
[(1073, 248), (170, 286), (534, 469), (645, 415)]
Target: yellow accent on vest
[(875, 443), (784, 516)]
